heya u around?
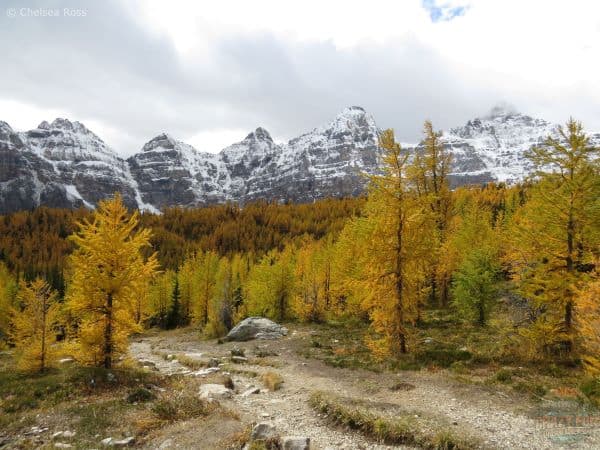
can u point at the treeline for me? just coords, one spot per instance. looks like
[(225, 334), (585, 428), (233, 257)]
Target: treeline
[(412, 244), (34, 243)]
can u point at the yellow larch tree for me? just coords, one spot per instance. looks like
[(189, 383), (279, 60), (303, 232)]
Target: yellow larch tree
[(428, 175), (205, 278), (8, 293), (588, 325), (397, 243), (555, 232), (33, 325), (108, 274)]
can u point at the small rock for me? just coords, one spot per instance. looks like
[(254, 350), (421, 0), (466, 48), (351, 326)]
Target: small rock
[(213, 362), (265, 415), (123, 442), (295, 443), (57, 434), (250, 391), (236, 351), (110, 377), (147, 363), (107, 441), (239, 359), (204, 372), (66, 360), (62, 445), (68, 434), (214, 391), (263, 431), (166, 444)]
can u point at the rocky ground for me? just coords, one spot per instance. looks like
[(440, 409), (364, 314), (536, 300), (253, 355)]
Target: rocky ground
[(498, 419)]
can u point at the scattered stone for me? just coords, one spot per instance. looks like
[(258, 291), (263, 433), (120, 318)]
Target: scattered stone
[(213, 362), (236, 351), (68, 434), (107, 441), (57, 434), (36, 430), (239, 359), (265, 415), (62, 445), (147, 363), (124, 442), (66, 360), (256, 328), (170, 356), (193, 355), (214, 391), (295, 443), (110, 377), (263, 431), (250, 391), (204, 372), (166, 444)]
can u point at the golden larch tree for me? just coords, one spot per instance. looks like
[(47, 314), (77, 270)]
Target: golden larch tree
[(108, 275), (554, 234), (397, 242), (34, 322), (428, 175)]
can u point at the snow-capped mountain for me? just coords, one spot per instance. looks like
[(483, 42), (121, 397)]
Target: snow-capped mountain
[(63, 164)]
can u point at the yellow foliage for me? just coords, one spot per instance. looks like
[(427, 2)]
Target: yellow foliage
[(588, 326), (109, 275), (34, 324)]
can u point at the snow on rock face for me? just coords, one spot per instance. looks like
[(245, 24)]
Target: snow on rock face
[(61, 164), (64, 164), (169, 172)]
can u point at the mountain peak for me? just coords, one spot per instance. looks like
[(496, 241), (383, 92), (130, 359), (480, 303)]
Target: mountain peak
[(502, 110), (260, 134), (65, 125)]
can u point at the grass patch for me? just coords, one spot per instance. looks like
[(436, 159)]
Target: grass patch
[(590, 388), (181, 407), (400, 429), (140, 395), (191, 363), (272, 380)]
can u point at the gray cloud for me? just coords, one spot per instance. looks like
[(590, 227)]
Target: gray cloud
[(107, 66)]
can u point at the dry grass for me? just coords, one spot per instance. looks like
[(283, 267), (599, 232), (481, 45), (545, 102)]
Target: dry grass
[(399, 429), (272, 380)]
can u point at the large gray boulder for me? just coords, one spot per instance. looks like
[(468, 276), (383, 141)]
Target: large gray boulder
[(256, 328)]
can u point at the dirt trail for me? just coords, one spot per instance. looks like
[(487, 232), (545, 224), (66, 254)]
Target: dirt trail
[(501, 421)]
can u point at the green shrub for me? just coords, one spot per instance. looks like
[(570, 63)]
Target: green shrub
[(140, 395)]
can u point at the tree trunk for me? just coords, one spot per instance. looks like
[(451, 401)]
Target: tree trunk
[(481, 310), (400, 289), (43, 355), (108, 345)]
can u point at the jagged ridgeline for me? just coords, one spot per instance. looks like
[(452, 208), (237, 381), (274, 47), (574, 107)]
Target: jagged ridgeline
[(63, 164)]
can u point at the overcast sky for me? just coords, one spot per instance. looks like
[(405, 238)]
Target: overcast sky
[(210, 72)]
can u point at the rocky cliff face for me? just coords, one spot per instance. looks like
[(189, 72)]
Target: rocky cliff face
[(63, 164)]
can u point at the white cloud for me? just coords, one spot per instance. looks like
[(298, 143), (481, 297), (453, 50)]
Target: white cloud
[(210, 72)]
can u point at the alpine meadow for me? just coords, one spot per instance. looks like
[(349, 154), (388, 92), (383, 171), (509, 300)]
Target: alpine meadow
[(405, 283)]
